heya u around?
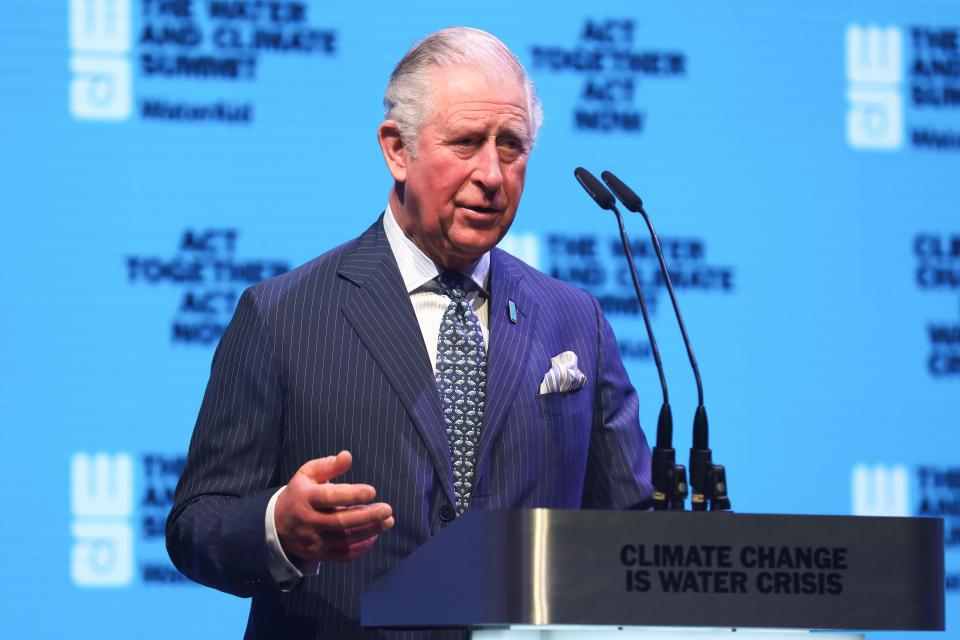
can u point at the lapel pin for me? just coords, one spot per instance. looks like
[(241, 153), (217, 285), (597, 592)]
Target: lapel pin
[(512, 311)]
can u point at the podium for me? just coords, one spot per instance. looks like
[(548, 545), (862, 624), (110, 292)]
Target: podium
[(503, 573)]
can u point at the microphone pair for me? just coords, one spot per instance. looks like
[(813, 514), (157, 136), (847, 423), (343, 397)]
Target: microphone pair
[(669, 478)]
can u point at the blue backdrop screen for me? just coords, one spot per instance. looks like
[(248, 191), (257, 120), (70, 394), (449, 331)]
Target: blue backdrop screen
[(800, 160)]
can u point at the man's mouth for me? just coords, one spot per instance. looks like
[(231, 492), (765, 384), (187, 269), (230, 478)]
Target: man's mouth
[(481, 209)]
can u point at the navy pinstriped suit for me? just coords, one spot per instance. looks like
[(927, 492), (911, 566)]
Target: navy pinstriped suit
[(330, 357)]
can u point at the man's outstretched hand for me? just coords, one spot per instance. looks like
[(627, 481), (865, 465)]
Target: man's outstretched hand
[(318, 519)]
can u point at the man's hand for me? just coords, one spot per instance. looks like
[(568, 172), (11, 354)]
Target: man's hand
[(320, 520)]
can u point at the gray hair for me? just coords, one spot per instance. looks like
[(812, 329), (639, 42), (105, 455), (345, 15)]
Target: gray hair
[(409, 96)]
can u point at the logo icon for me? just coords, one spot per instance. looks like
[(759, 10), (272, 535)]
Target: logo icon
[(101, 503), (880, 491), (100, 86), (874, 75)]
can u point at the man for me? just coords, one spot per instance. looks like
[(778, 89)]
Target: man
[(447, 374)]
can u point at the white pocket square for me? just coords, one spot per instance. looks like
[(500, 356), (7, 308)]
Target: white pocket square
[(563, 374)]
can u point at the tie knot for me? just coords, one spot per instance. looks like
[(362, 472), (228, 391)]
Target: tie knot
[(452, 284)]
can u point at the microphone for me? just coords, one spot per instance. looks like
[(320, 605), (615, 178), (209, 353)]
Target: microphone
[(669, 478), (709, 481)]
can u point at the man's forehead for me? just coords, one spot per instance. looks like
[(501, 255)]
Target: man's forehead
[(467, 96), (485, 113)]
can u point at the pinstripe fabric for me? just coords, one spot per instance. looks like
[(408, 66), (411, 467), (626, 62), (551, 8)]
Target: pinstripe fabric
[(329, 357)]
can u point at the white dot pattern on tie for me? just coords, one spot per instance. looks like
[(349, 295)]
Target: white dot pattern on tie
[(462, 380)]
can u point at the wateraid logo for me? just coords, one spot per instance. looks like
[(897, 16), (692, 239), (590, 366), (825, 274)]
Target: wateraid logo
[(101, 491), (100, 86), (879, 490), (874, 63)]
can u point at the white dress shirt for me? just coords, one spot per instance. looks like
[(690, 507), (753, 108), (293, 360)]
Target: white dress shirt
[(417, 270)]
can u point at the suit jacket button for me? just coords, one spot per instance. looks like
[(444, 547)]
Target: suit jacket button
[(447, 513)]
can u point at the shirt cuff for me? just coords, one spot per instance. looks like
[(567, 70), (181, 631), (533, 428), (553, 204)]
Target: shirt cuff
[(287, 574)]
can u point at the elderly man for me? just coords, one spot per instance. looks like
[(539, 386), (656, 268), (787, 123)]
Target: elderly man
[(447, 374)]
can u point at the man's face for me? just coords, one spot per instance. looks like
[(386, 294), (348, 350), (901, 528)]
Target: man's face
[(462, 189)]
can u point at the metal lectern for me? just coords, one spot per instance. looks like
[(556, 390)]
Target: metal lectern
[(536, 573)]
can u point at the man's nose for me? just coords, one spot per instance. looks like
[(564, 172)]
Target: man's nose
[(487, 173)]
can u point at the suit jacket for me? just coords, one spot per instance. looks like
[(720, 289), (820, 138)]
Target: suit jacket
[(330, 356)]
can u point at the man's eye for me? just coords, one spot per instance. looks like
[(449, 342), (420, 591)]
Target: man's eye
[(511, 143), (465, 142)]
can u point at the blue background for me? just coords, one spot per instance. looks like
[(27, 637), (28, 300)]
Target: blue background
[(814, 362)]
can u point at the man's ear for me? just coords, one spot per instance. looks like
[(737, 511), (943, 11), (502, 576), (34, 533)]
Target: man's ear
[(394, 152)]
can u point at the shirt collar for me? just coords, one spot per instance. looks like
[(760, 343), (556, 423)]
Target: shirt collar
[(416, 268)]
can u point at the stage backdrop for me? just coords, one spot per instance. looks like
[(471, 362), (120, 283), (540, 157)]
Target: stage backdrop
[(801, 160)]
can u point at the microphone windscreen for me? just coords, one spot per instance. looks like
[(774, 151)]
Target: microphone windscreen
[(626, 195), (595, 188)]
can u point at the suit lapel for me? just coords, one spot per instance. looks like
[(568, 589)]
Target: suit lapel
[(380, 312), (509, 346)]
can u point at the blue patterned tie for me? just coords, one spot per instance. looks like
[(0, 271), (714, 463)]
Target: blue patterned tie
[(462, 382)]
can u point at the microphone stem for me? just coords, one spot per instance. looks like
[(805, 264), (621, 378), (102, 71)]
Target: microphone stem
[(643, 306), (676, 307)]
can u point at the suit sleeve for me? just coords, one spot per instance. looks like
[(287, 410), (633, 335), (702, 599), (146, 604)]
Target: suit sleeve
[(215, 531), (618, 465)]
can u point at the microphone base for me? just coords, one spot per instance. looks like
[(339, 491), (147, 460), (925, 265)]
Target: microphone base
[(709, 482), (670, 486)]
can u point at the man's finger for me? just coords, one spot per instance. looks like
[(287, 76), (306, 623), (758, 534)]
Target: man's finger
[(344, 519), (358, 534), (331, 495), (325, 469), (352, 552)]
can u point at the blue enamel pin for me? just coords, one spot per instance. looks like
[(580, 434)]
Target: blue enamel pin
[(512, 311)]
